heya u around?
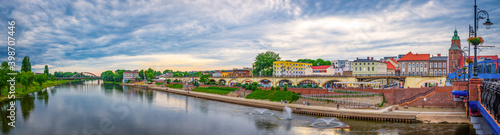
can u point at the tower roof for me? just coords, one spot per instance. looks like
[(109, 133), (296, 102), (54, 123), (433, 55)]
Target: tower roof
[(455, 36), (454, 47)]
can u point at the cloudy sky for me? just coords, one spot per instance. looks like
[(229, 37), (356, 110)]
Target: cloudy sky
[(99, 35)]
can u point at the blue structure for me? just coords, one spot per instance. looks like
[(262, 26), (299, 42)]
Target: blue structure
[(487, 69)]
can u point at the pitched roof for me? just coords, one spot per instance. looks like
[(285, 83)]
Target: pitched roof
[(454, 47), (390, 66), (321, 67), (415, 57)]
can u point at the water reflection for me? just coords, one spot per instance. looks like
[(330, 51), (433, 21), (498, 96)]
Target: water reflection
[(43, 96), (27, 105), (4, 121)]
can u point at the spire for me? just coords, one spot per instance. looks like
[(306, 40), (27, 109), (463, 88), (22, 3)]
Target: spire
[(455, 35)]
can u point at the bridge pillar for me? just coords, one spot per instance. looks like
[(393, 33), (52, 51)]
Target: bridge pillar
[(69, 81)]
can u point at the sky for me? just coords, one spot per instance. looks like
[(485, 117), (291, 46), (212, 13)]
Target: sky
[(99, 35)]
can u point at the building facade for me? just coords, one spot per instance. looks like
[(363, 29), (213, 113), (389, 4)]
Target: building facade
[(368, 67), (392, 66), (438, 65), (289, 68), (241, 73), (130, 76), (454, 54), (414, 64), (217, 74), (320, 71), (345, 64)]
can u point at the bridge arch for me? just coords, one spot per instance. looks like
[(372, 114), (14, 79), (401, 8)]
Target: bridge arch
[(249, 81), (428, 81), (307, 82), (265, 82), (84, 74), (283, 82), (328, 83), (222, 81)]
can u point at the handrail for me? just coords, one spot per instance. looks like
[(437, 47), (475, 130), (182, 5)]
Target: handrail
[(432, 89), (490, 98)]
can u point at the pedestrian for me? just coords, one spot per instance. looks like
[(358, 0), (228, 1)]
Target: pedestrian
[(282, 101), (338, 106), (304, 103), (308, 103)]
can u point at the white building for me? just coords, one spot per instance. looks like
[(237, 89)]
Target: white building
[(217, 74), (130, 75), (320, 70)]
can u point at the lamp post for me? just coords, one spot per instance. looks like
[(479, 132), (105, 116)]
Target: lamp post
[(481, 14)]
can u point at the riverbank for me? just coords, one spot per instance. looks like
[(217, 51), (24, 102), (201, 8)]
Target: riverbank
[(113, 82), (383, 114), (35, 87)]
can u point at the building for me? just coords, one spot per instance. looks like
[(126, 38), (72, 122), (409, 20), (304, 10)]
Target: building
[(217, 74), (345, 64), (227, 74), (130, 76), (414, 64), (437, 65), (454, 54), (368, 66), (319, 70), (392, 66), (289, 68), (241, 73)]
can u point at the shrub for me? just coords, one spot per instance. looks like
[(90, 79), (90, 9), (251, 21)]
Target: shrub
[(175, 86)]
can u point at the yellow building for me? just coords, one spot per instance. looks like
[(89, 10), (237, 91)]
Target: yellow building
[(227, 74), (289, 68)]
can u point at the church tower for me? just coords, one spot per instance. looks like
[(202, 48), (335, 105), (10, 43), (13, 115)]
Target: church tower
[(454, 54)]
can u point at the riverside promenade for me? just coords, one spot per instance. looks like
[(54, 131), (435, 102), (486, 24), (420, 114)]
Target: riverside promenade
[(383, 114)]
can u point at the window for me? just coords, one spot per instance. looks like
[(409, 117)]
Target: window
[(403, 66), (435, 72), (439, 65), (413, 65), (444, 65), (356, 69), (373, 68), (368, 68), (417, 65), (364, 63), (439, 72), (373, 63)]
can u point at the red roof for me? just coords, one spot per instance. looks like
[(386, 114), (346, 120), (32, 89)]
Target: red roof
[(390, 66), (492, 57), (393, 60), (320, 67), (415, 57)]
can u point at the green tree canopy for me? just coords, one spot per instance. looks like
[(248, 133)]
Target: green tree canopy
[(264, 62), (41, 78), (46, 70), (26, 64), (317, 62)]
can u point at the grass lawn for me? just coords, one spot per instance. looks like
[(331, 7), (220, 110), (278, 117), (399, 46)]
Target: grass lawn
[(274, 95), (113, 82), (215, 90), (175, 86)]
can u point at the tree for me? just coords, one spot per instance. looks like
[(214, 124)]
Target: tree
[(108, 75), (141, 74), (167, 71), (204, 79), (264, 62), (52, 77), (151, 76), (41, 78), (3, 76), (26, 64), (46, 70), (285, 88), (27, 78)]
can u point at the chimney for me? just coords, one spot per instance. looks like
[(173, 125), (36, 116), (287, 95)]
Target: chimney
[(372, 58), (367, 58), (357, 58), (439, 55)]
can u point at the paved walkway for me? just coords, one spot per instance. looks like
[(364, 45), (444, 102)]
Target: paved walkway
[(430, 117)]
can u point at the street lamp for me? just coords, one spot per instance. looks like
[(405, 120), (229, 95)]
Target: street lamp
[(481, 14)]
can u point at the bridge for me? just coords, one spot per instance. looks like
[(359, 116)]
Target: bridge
[(324, 81), (80, 76)]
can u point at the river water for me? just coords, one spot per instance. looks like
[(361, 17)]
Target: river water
[(88, 107)]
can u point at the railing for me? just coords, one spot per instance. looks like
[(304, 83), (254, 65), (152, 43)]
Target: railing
[(490, 98), (346, 103), (416, 96)]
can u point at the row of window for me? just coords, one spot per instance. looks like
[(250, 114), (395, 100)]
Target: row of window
[(438, 65), (364, 63), (288, 64), (356, 69)]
